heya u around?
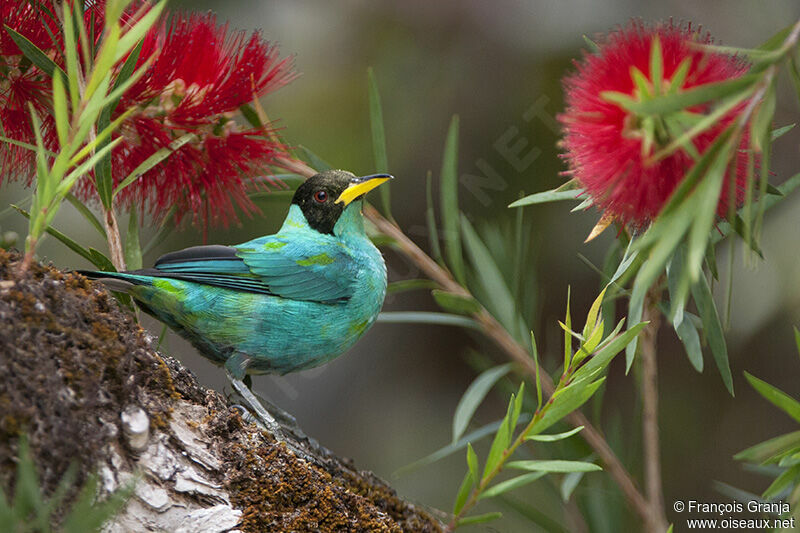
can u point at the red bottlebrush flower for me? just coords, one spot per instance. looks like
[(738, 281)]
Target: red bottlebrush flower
[(22, 83), (201, 75), (606, 146)]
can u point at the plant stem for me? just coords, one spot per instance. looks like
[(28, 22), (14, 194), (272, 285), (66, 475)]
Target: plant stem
[(657, 522), (498, 334), (114, 239)]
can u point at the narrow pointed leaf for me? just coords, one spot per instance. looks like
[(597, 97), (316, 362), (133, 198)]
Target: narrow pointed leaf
[(479, 519), (153, 160), (474, 396), (34, 54), (564, 402), (378, 139), (511, 484), (556, 436), (775, 396), (449, 200), (712, 328), (455, 303), (87, 214), (463, 442), (549, 196), (536, 465), (463, 493)]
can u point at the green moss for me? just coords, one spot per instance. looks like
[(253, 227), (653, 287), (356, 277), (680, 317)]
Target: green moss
[(74, 361)]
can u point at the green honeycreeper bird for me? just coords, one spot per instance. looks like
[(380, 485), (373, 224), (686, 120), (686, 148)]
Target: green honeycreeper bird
[(276, 304)]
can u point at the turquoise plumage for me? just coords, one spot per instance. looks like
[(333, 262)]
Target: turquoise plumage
[(280, 303)]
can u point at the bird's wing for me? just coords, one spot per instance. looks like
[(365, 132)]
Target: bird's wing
[(276, 265), (213, 265), (295, 268)]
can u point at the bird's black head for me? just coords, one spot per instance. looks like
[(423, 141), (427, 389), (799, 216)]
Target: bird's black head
[(324, 196)]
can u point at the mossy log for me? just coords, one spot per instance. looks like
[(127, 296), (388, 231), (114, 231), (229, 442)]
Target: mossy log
[(82, 380)]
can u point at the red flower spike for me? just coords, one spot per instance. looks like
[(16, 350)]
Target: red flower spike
[(609, 150), (202, 74), (22, 83)]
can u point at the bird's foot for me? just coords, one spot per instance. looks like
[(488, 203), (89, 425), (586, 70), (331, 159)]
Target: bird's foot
[(256, 408), (255, 412)]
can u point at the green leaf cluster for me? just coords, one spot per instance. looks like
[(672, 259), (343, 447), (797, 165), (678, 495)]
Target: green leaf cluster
[(29, 510)]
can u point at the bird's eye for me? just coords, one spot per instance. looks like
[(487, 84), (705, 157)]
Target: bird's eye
[(321, 197)]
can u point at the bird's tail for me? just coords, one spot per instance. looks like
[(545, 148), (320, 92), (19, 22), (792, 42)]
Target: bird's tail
[(116, 281)]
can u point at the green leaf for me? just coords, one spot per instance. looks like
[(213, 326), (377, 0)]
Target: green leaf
[(422, 317), (378, 138), (314, 161), (535, 354), (567, 337), (501, 441), (511, 484), (153, 160), (797, 339), (517, 401), (712, 328), (410, 285), (34, 54), (71, 55), (479, 519), (538, 465), (675, 102), (564, 402), (554, 195), (463, 493), (133, 250), (60, 112), (472, 462), (87, 214), (430, 220), (690, 338), (554, 437), (456, 303), (761, 125), (782, 482), (501, 302), (591, 317), (251, 116), (449, 201), (474, 396), (101, 261), (569, 484), (656, 65), (69, 243), (607, 352), (775, 396), (780, 132), (452, 448), (103, 62), (769, 448), (137, 32)]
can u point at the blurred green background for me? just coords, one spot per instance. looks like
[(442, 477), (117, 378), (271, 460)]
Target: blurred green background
[(498, 65)]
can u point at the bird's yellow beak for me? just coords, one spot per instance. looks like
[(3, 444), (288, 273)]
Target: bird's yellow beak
[(361, 186)]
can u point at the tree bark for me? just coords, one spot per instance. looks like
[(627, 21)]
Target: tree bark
[(82, 380)]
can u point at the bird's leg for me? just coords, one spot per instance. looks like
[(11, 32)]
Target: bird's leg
[(235, 368)]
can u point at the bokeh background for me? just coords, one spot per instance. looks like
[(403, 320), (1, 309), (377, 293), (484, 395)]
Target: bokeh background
[(391, 399)]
